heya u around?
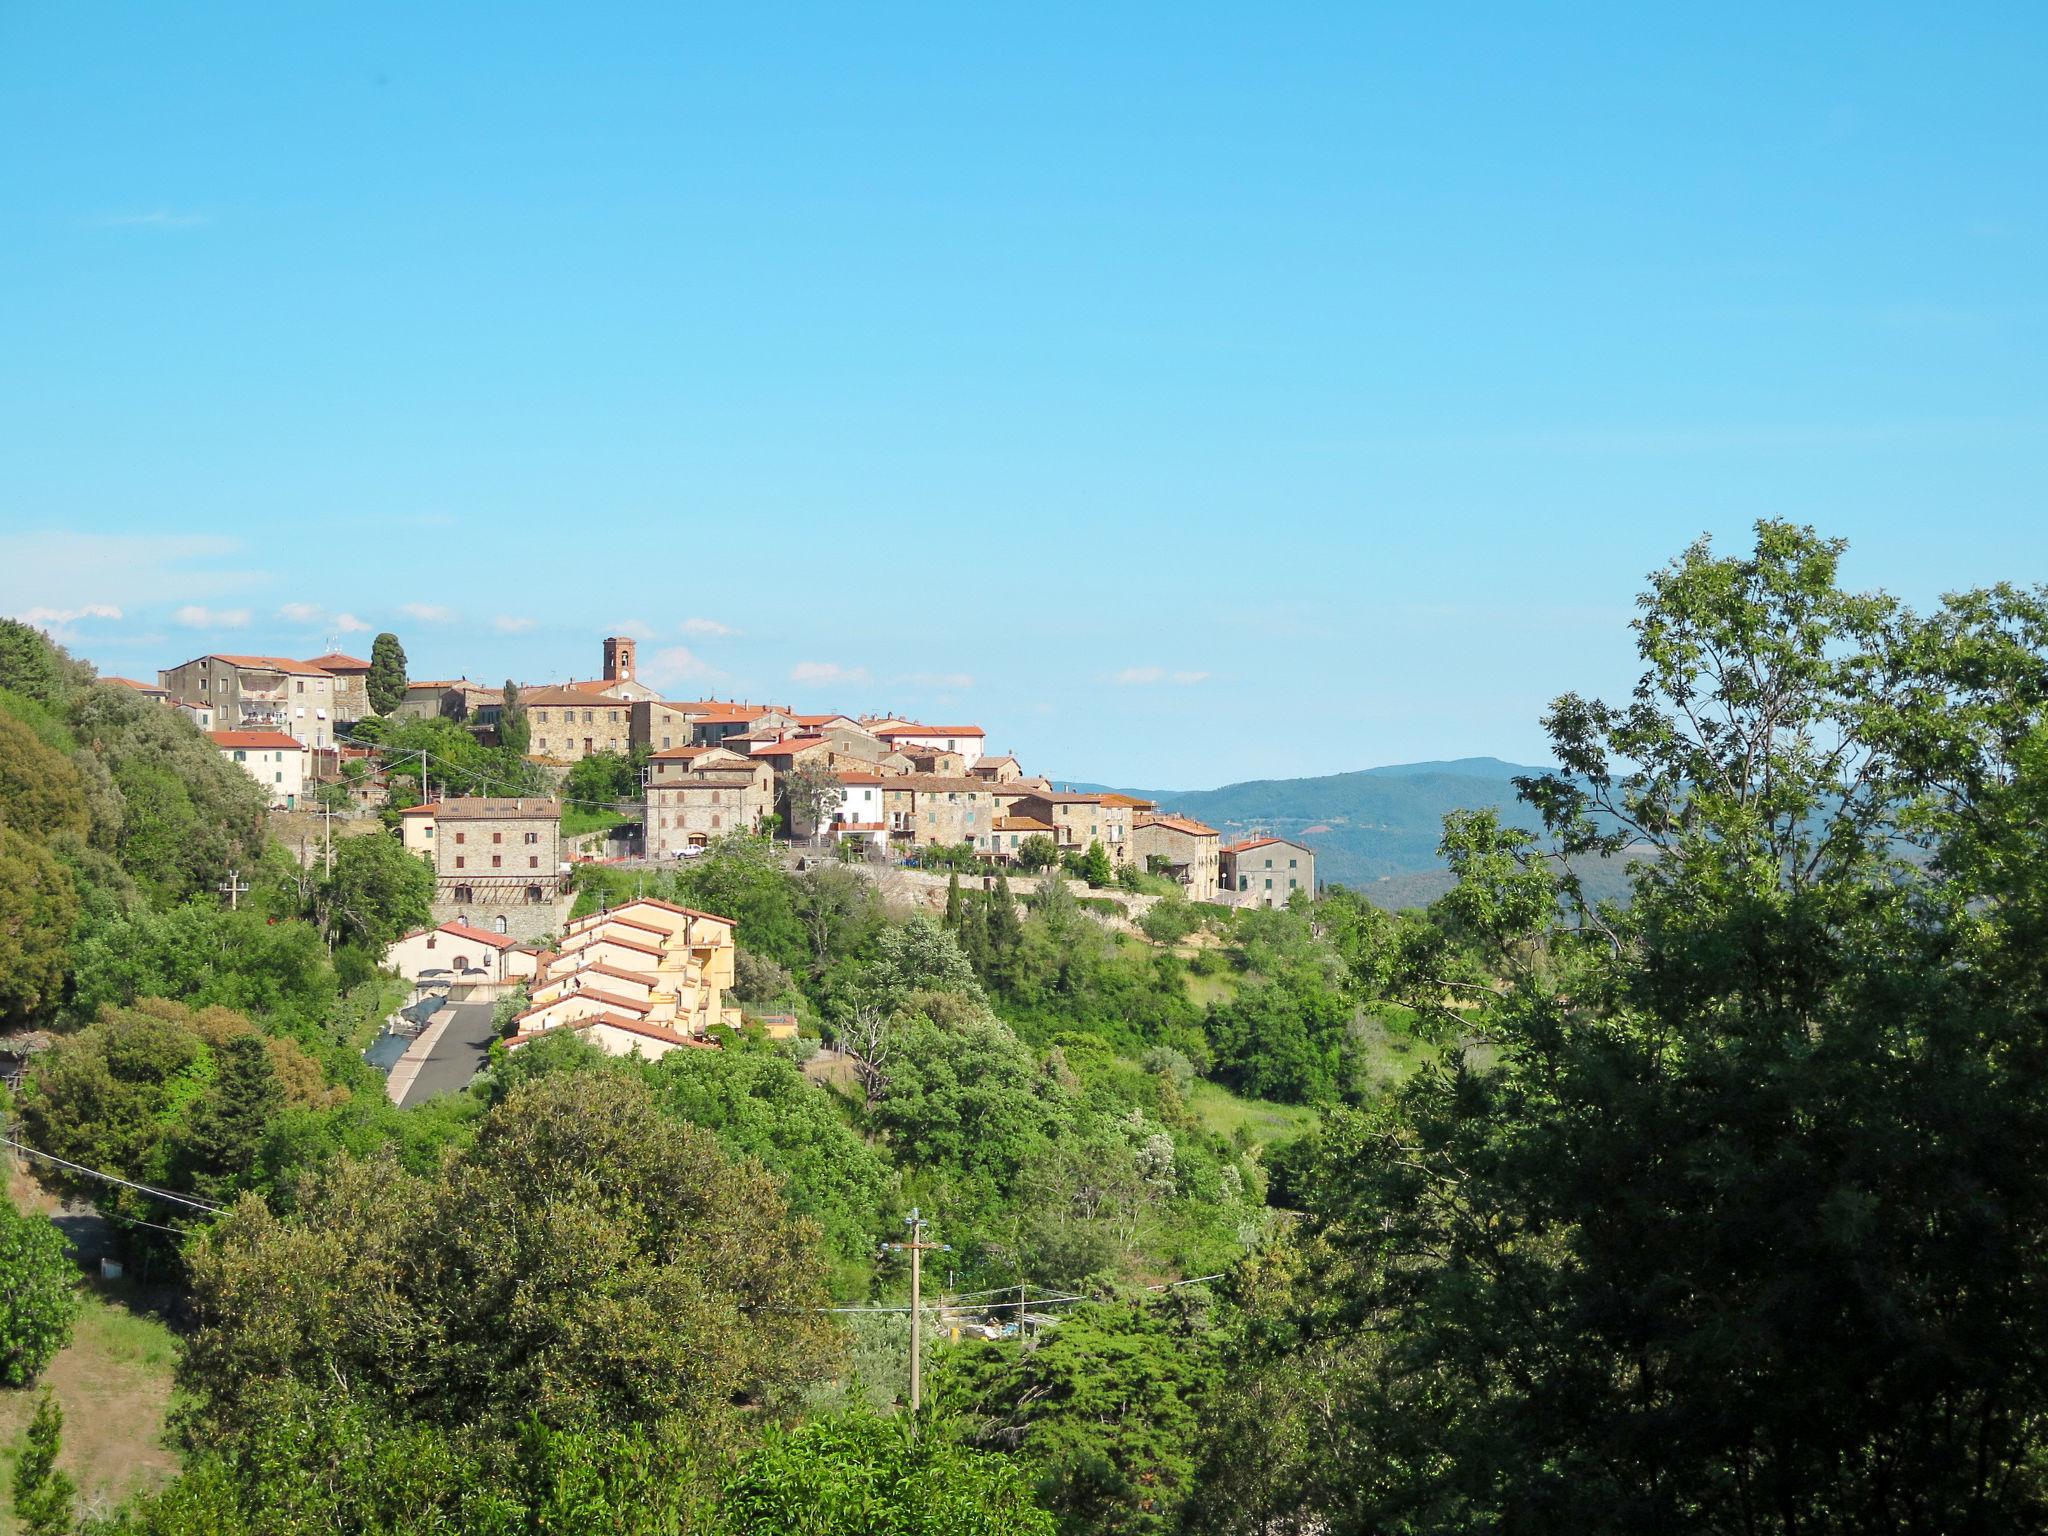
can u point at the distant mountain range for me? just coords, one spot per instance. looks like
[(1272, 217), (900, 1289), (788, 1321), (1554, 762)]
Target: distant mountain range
[(1375, 830)]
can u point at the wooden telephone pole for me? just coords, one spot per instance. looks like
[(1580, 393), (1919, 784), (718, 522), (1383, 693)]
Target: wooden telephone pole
[(232, 888), (917, 1247)]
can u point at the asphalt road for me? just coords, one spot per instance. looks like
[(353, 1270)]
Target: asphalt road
[(457, 1056)]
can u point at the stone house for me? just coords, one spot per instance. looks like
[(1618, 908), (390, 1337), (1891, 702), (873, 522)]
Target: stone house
[(660, 726), (351, 676), (1265, 871), (1079, 819), (258, 693), (458, 699), (1013, 832), (273, 759), (696, 795), (932, 810), (908, 736), (1184, 849), (496, 857), (566, 725), (997, 770)]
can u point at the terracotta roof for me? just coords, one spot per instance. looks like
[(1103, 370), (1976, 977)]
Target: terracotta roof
[(857, 826), (254, 739), (432, 807), (609, 999), (339, 661), (933, 782), (669, 906), (488, 808), (571, 695), (596, 919), (1022, 824), (1132, 801), (630, 1026), (930, 730), (1049, 796), (685, 753), (789, 746), (855, 777), (608, 938), (1185, 824), (1262, 842), (464, 931), (268, 663), (647, 979), (129, 682)]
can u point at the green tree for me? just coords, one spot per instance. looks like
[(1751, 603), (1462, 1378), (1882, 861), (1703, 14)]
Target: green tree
[(1038, 852), (377, 892), (386, 682), (587, 1262), (812, 792), (228, 1125), (38, 1294), (952, 918), (43, 1494), (40, 792), (599, 780), (38, 906), (920, 956), (864, 1476), (1738, 1231), (32, 666), (1105, 1409), (1094, 866), (515, 731)]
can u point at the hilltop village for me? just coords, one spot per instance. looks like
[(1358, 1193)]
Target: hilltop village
[(869, 790)]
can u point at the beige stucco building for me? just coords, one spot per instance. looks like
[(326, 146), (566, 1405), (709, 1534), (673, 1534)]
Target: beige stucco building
[(647, 977), (258, 693)]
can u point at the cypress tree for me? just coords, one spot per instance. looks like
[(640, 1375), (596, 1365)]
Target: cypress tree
[(42, 1494), (227, 1128), (386, 681)]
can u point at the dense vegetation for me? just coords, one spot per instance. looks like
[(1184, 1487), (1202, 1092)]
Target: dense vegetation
[(1722, 1210)]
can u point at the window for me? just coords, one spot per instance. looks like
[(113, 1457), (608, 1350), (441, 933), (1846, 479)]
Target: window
[(613, 716), (532, 838), (497, 861), (533, 895), (1269, 863), (541, 716), (464, 893), (498, 925), (1269, 885), (302, 685), (586, 717), (462, 837), (543, 743), (430, 940), (497, 837), (241, 756), (458, 861), (1291, 863), (533, 861)]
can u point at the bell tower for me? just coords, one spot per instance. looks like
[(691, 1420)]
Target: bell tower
[(618, 659)]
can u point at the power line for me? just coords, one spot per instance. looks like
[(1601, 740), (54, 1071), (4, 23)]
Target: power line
[(111, 1178)]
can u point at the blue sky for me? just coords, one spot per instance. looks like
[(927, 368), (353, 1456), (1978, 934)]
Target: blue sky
[(1186, 393)]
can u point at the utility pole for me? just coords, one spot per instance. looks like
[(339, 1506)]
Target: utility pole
[(917, 1247), (232, 888)]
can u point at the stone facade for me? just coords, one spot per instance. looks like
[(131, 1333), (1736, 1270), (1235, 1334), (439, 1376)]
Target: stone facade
[(258, 693), (496, 857), (1078, 820), (1189, 850), (351, 676), (930, 810), (1266, 871), (693, 806), (566, 724)]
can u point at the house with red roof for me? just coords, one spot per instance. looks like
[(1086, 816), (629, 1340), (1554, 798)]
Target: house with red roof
[(258, 693), (1183, 849), (274, 760)]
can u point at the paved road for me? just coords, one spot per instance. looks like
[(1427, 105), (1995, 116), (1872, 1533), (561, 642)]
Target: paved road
[(456, 1057)]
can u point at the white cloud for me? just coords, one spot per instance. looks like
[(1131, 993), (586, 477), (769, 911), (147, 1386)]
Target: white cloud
[(828, 672), (427, 613), (349, 624), (1142, 677), (506, 624), (299, 613), (71, 615), (677, 664), (633, 629), (710, 628), (937, 679), (193, 616), (61, 569)]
